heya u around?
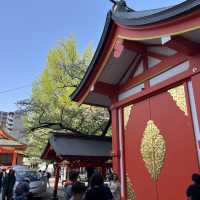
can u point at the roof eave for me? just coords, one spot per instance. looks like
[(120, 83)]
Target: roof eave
[(163, 16), (75, 95), (44, 151)]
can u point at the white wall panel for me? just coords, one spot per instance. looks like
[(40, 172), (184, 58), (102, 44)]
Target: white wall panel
[(169, 73), (131, 92)]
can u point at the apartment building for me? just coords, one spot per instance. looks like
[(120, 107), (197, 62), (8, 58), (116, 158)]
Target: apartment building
[(13, 123), (3, 119)]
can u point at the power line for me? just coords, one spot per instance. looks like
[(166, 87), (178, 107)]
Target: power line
[(15, 89), (20, 87)]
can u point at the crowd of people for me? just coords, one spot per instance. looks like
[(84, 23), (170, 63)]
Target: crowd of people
[(8, 189), (7, 182), (76, 190)]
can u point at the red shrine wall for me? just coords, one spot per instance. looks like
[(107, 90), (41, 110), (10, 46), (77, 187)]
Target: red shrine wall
[(9, 157), (156, 137)]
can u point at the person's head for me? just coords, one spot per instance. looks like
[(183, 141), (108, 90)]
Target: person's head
[(115, 177), (96, 180), (196, 178), (73, 176), (27, 180), (77, 190), (11, 172)]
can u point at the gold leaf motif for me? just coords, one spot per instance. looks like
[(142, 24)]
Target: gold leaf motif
[(178, 95), (127, 112), (153, 150), (130, 191)]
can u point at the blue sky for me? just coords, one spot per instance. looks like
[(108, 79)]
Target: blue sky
[(28, 29)]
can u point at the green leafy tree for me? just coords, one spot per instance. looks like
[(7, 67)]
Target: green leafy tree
[(50, 106)]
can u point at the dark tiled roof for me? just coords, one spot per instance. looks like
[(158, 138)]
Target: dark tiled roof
[(146, 17), (138, 14), (70, 145)]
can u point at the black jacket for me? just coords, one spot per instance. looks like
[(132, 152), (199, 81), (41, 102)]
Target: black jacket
[(98, 193), (8, 183), (193, 192)]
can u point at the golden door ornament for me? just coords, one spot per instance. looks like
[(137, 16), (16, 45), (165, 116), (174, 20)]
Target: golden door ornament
[(130, 191), (127, 112), (178, 95), (153, 150)]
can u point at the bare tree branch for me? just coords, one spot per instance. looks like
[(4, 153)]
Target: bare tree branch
[(60, 125)]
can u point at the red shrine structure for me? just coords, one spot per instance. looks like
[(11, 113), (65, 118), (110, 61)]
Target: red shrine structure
[(146, 70), (77, 150), (11, 151)]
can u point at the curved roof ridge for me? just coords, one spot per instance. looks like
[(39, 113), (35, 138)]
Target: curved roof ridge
[(140, 13), (160, 8), (147, 17), (146, 10), (6, 135)]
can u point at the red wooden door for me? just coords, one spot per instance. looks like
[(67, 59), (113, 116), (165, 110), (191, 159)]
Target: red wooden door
[(171, 114), (139, 180), (165, 123)]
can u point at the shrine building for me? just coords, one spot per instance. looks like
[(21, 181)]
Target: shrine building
[(76, 150), (11, 151), (146, 70)]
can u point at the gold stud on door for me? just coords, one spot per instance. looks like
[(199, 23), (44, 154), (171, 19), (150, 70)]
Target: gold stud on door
[(153, 150)]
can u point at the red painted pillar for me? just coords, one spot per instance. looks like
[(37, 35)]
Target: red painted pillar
[(14, 160), (57, 175), (115, 141), (194, 94), (122, 153)]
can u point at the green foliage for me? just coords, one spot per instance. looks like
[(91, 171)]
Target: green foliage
[(51, 103), (37, 142)]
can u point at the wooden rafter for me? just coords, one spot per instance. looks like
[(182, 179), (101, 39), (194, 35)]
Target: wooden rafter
[(169, 62), (135, 46), (183, 45), (131, 66), (136, 66), (156, 55), (105, 88)]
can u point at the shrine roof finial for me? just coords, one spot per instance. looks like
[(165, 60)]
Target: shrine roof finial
[(120, 6)]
